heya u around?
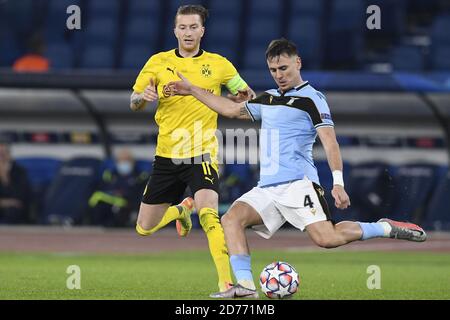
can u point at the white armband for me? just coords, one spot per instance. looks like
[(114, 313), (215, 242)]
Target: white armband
[(338, 178)]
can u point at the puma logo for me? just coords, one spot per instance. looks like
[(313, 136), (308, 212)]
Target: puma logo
[(173, 71), (210, 180)]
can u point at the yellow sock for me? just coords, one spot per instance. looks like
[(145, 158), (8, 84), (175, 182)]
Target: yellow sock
[(171, 214), (210, 222)]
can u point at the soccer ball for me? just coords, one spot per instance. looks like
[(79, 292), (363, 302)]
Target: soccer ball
[(279, 280)]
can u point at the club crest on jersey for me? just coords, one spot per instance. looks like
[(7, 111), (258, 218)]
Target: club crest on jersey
[(206, 71)]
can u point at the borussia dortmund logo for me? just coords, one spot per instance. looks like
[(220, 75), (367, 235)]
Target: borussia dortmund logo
[(206, 72)]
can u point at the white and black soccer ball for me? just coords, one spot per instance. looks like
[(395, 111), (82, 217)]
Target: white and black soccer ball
[(279, 280)]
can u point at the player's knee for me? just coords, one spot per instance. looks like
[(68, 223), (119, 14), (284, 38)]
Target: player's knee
[(230, 220), (143, 231)]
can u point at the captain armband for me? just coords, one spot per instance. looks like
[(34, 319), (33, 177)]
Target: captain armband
[(235, 84)]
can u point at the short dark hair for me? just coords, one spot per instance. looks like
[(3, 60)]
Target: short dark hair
[(281, 46), (193, 9)]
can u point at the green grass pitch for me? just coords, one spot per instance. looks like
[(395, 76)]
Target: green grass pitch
[(191, 275)]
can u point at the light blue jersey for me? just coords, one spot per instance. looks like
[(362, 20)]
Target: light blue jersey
[(288, 132)]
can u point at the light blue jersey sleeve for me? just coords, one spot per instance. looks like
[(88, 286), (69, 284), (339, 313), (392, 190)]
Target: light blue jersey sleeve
[(324, 111), (254, 110)]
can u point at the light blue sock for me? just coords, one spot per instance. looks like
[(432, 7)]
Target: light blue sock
[(372, 230), (241, 265)]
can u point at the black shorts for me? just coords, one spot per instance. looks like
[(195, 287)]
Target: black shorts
[(170, 177)]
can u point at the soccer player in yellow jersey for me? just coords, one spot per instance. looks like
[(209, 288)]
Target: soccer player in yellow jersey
[(186, 151)]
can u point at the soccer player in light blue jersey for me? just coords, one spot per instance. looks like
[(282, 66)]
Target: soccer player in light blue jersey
[(289, 190)]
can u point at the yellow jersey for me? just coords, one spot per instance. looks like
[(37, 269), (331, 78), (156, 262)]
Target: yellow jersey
[(186, 126)]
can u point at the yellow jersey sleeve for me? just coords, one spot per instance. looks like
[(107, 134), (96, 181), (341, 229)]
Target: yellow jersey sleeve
[(148, 71), (232, 80)]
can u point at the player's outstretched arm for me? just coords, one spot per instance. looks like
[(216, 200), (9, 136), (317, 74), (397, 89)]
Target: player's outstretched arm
[(328, 138), (221, 105)]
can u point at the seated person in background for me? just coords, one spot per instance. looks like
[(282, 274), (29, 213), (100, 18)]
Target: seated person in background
[(114, 203), (14, 189), (33, 60)]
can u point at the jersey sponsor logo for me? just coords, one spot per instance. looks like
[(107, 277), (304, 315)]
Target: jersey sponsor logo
[(206, 71), (166, 91)]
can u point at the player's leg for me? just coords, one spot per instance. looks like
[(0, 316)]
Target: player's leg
[(162, 190), (254, 209), (153, 217), (150, 218), (203, 180), (327, 235), (238, 218), (206, 202)]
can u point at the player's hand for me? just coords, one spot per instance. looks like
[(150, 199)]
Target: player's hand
[(182, 88), (150, 94), (341, 199), (242, 95)]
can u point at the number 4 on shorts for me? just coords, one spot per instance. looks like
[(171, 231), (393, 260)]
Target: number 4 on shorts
[(308, 202)]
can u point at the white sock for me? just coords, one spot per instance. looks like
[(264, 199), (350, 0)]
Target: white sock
[(387, 228), (249, 284)]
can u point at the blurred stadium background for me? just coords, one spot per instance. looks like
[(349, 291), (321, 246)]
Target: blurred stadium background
[(388, 90)]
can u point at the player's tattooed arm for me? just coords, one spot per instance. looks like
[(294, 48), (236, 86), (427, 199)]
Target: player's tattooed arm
[(150, 94), (137, 101)]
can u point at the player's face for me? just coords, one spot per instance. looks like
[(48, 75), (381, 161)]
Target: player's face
[(285, 71), (189, 32)]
